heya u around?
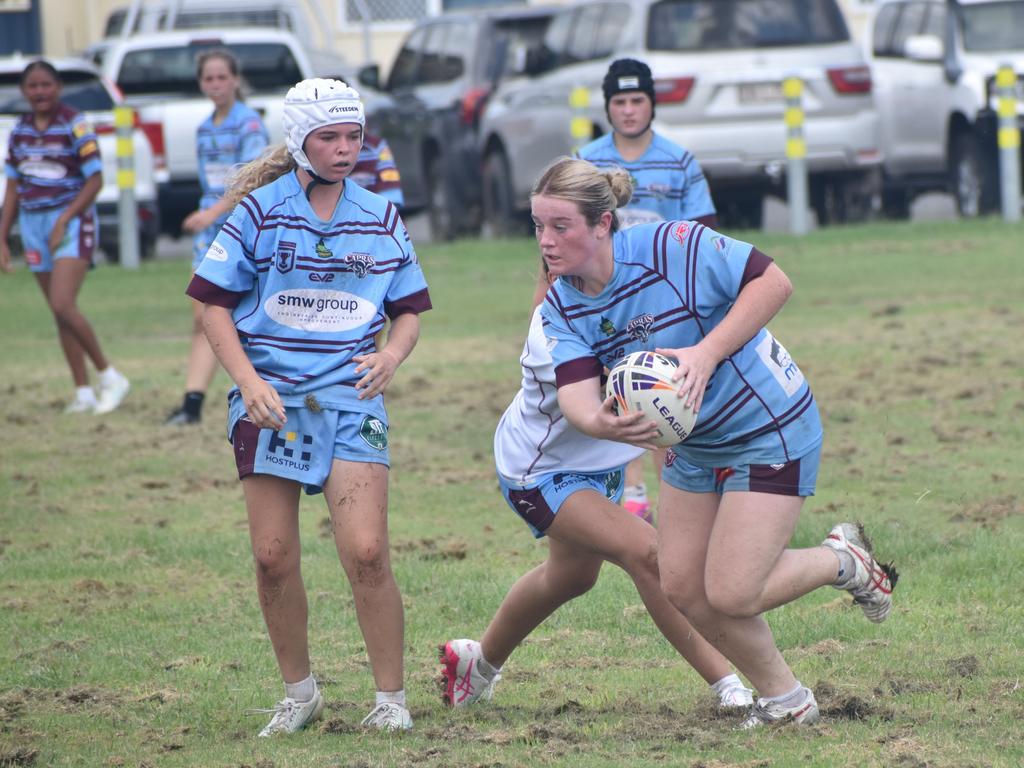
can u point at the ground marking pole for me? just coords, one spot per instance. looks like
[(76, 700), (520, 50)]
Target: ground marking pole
[(1009, 141), (127, 205), (796, 155)]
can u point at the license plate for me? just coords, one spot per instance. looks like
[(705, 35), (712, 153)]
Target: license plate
[(760, 93)]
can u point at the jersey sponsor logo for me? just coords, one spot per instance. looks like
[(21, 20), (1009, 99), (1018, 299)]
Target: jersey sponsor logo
[(374, 432), (33, 258), (390, 174), (632, 216), (360, 263), (284, 259), (322, 250), (88, 148), (777, 360), (607, 326), (720, 243), (315, 309), (612, 483), (659, 191), (217, 252), (338, 109), (639, 328), (43, 169), (681, 231), (321, 277), (283, 446)]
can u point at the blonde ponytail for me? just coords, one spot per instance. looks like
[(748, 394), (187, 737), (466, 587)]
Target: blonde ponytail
[(271, 165)]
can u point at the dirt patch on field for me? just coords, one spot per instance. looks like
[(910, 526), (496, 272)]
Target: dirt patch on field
[(988, 513), (965, 666), (837, 705), (19, 756), (432, 549)]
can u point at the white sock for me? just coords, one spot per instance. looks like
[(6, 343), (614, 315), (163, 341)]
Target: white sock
[(729, 681), (304, 690), (109, 375), (85, 395), (636, 492), (391, 697), (791, 699), (485, 668), (847, 568)]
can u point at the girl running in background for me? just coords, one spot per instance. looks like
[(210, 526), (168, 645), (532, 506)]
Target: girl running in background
[(231, 136), (566, 486), (731, 493), (54, 174), (295, 286)]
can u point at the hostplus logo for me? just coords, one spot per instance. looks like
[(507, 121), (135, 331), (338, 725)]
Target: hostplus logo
[(282, 448)]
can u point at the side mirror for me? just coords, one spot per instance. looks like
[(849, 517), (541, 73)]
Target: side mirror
[(369, 75), (924, 48)]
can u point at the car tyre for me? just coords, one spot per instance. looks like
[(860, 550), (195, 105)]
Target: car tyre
[(500, 216), (974, 184), (439, 202), (896, 204)]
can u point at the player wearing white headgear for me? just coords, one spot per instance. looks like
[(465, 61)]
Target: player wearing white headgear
[(302, 276)]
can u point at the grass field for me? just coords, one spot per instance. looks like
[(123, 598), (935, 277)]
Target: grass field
[(130, 627)]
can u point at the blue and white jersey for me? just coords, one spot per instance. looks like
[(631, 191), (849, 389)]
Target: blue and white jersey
[(308, 295), (668, 183), (238, 139), (672, 284), (534, 438)]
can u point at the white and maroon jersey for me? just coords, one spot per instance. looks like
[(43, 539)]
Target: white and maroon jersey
[(534, 438), (309, 295)]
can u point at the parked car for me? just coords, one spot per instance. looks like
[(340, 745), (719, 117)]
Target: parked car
[(441, 78), (157, 75), (934, 63), (87, 92), (718, 67)]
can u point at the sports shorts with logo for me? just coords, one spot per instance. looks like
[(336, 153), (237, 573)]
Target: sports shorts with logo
[(304, 449), (796, 477), (79, 241), (538, 503)]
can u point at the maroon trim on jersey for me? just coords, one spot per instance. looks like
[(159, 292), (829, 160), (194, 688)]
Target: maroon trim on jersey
[(711, 220), (530, 506), (414, 303), (782, 481), (244, 440), (757, 263), (580, 369), (202, 290)]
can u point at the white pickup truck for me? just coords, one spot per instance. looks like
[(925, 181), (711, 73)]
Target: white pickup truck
[(157, 75)]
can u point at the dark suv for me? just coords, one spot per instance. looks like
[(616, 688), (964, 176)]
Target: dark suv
[(443, 74)]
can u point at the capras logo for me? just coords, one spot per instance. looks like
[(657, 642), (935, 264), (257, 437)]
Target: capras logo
[(315, 309)]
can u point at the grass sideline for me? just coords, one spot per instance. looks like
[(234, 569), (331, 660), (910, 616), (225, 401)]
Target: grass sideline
[(132, 636)]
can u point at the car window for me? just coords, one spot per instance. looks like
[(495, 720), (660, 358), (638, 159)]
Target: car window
[(885, 24), (701, 25), (584, 33), (458, 43), (911, 22), (431, 69), (935, 24), (403, 71), (556, 39), (266, 67), (82, 90), (511, 37), (993, 26), (613, 21)]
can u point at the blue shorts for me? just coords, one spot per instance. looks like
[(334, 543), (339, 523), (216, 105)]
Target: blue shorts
[(793, 478), (537, 504), (79, 238), (305, 449)]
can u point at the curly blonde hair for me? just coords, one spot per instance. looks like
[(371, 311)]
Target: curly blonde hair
[(594, 191), (274, 163)]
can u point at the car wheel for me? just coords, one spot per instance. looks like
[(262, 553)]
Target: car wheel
[(500, 216), (842, 200), (896, 204), (974, 185), (439, 202)]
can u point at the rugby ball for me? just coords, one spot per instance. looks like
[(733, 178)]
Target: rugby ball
[(642, 382)]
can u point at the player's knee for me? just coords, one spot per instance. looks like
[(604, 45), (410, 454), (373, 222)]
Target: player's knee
[(733, 600), (274, 563), (368, 565), (641, 561), (197, 326), (685, 594), (63, 312), (572, 583)]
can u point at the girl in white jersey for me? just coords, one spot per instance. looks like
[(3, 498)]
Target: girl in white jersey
[(565, 485), (300, 279), (730, 493)]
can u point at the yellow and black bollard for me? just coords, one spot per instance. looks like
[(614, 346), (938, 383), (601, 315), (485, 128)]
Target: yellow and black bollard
[(796, 155), (1009, 141), (127, 205)]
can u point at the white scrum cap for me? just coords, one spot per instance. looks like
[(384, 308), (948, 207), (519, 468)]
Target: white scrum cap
[(313, 104)]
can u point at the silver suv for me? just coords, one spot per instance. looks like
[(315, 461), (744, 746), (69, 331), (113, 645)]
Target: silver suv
[(934, 63), (718, 67)]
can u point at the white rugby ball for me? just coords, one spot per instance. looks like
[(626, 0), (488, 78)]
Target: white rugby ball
[(642, 382)]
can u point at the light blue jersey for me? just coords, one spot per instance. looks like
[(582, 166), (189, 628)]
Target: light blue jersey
[(668, 183), (672, 284), (308, 295)]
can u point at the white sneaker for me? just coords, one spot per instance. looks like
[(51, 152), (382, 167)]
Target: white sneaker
[(111, 394), (735, 696), (768, 712), (871, 583), (80, 406), (388, 717), (291, 715), (462, 683)]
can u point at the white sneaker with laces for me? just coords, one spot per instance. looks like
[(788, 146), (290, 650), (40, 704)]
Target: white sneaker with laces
[(388, 717), (768, 712), (735, 696), (112, 393), (291, 715), (462, 683), (871, 583)]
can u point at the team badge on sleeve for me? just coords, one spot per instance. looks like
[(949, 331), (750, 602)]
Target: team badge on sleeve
[(82, 128), (680, 231)]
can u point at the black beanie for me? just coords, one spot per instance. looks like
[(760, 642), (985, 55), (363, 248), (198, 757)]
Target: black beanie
[(628, 75)]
